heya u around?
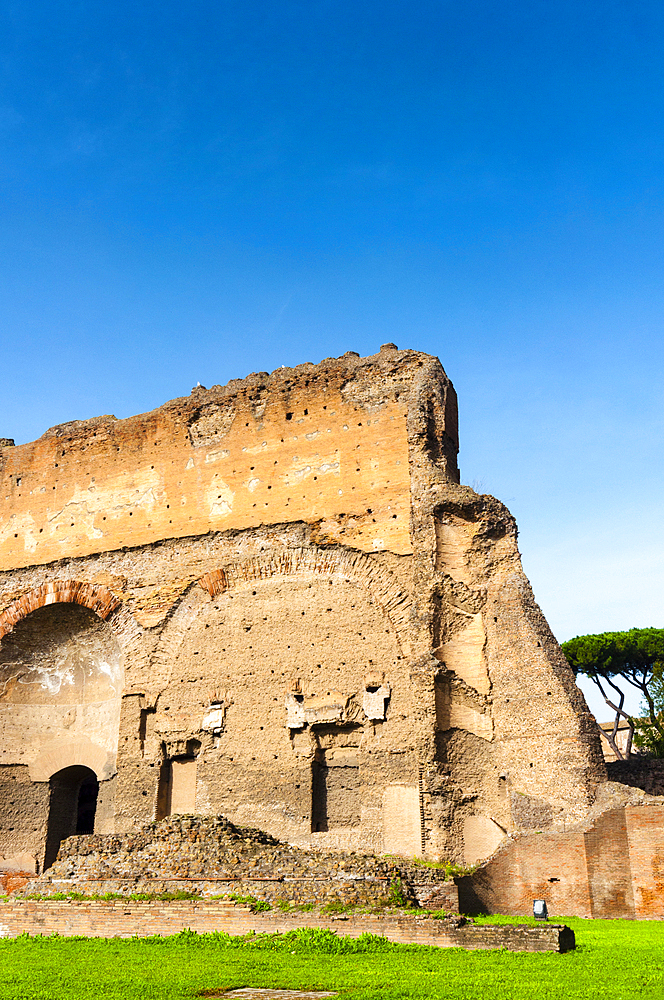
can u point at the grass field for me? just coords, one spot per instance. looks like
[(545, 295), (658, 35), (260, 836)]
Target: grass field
[(614, 960)]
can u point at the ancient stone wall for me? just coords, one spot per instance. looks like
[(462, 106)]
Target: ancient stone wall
[(273, 600), (639, 771)]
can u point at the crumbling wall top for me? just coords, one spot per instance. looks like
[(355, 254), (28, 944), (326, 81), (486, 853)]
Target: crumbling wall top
[(331, 444)]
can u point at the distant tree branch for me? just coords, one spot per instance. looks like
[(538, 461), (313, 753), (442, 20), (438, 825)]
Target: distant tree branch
[(611, 740)]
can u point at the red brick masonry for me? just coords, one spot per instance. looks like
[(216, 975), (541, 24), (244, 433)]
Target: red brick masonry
[(615, 868), (120, 919)]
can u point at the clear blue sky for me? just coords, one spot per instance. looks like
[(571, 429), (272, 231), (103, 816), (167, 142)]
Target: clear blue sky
[(193, 192)]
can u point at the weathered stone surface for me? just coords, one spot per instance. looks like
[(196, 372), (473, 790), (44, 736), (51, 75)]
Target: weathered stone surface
[(273, 600), (319, 443), (638, 772)]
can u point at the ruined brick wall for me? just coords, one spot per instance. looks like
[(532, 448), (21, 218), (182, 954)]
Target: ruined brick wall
[(273, 600), (129, 919), (638, 772), (611, 867)]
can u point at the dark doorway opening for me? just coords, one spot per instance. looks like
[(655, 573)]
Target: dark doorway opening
[(164, 789), (319, 794), (72, 807), (87, 805)]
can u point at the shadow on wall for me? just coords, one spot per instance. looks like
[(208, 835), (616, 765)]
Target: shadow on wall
[(335, 791), (176, 792)]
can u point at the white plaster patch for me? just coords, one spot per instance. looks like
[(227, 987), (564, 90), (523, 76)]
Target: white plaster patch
[(297, 475), (219, 498), (295, 712), (148, 500), (256, 449), (50, 678), (329, 464), (114, 673), (373, 702), (213, 721)]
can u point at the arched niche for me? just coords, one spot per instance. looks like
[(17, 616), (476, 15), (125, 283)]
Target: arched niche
[(98, 599), (314, 563), (61, 681), (307, 566), (318, 623), (326, 618)]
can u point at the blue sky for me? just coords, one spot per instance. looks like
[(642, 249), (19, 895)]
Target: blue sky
[(193, 192)]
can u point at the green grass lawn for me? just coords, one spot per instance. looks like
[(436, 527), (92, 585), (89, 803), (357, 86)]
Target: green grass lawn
[(614, 960)]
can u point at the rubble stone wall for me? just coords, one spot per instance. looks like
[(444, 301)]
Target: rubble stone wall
[(639, 771), (213, 857)]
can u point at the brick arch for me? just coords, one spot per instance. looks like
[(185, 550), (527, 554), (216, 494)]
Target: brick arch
[(96, 598), (65, 752), (345, 564), (307, 562)]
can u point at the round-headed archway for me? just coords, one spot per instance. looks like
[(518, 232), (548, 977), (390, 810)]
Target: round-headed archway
[(72, 807)]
